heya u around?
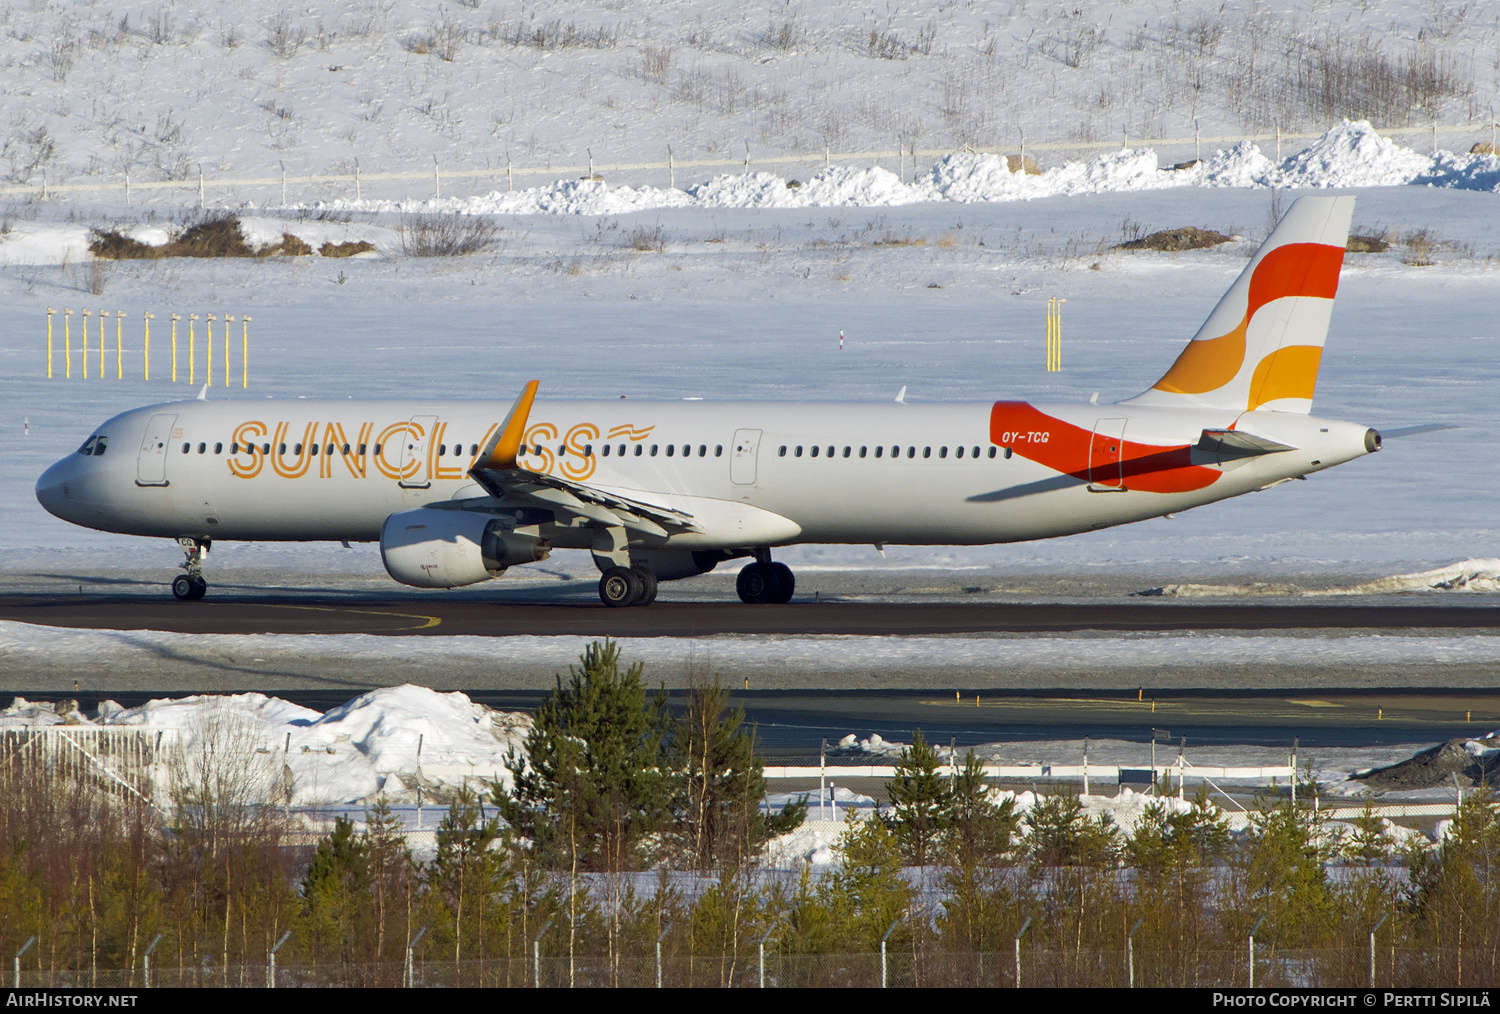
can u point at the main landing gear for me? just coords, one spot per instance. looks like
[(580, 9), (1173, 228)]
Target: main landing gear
[(627, 586), (766, 582), (190, 587)]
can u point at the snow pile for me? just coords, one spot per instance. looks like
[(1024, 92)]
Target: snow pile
[(385, 742), (1352, 155), (24, 714), (1482, 575), (1241, 166)]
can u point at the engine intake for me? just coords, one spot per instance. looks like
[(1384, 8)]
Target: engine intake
[(430, 548)]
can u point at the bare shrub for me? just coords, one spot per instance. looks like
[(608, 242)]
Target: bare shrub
[(1418, 247), (159, 28), (285, 38), (1366, 244), (443, 40), (60, 57), (556, 35), (446, 235), (1356, 79), (1175, 240), (785, 36), (223, 785), (646, 239), (655, 62), (168, 130), (887, 44), (346, 249), (217, 235)]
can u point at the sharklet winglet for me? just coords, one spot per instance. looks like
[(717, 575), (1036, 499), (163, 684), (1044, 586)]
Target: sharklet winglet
[(504, 447)]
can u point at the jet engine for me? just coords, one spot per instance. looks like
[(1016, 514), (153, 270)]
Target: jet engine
[(431, 548)]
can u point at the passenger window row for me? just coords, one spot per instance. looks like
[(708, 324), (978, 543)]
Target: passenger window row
[(880, 451), (621, 450)]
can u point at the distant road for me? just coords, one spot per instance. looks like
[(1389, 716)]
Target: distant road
[(232, 613)]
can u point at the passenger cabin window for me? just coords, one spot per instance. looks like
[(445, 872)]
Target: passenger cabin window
[(311, 450), (639, 449), (218, 448), (234, 448), (911, 452), (942, 452), (588, 450), (815, 450), (346, 449), (1007, 452), (186, 448), (927, 452), (202, 447), (781, 453), (702, 450), (976, 453), (297, 450), (718, 450), (671, 448), (653, 450), (879, 450), (361, 449), (862, 452), (830, 451), (847, 451), (281, 448), (473, 449), (798, 452), (958, 452), (606, 450)]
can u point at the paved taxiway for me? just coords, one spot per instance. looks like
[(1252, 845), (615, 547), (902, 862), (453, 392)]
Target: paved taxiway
[(262, 614)]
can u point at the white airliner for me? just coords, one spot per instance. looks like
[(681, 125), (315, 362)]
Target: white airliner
[(456, 494)]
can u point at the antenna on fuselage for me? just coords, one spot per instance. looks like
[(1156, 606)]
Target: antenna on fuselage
[(901, 395), (203, 393)]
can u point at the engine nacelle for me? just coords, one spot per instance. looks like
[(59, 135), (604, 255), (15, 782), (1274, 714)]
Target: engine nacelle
[(431, 548)]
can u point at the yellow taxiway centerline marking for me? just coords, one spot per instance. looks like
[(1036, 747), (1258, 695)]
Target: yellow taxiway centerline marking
[(431, 621)]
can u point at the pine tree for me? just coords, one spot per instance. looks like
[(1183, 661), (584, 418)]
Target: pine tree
[(922, 801), (592, 784), (336, 896), (720, 781)]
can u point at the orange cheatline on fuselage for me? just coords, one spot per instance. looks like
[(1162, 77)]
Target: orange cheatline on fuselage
[(1064, 447), (1296, 269)]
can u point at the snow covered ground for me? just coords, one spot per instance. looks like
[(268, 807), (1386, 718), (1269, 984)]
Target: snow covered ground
[(159, 89)]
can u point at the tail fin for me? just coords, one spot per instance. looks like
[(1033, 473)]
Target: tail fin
[(1261, 346)]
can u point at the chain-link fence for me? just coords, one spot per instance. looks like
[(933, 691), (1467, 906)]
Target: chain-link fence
[(1217, 968)]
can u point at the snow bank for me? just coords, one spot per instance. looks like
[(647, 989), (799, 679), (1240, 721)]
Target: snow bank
[(1481, 575), (385, 742), (1351, 154)]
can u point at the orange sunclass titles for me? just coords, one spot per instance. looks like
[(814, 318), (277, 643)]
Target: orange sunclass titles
[(292, 449)]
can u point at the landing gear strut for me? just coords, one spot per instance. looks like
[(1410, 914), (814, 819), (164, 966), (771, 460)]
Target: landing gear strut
[(190, 586), (627, 586), (766, 582)]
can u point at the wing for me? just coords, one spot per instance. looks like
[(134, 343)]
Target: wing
[(498, 471)]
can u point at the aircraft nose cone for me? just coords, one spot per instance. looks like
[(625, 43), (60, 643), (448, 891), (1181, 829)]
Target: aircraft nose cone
[(58, 489)]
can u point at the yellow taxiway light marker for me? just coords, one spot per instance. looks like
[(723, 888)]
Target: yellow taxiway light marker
[(208, 342), (227, 321), (192, 351), (85, 356), (245, 353), (119, 344), (146, 345), (102, 315), (67, 343), (175, 319)]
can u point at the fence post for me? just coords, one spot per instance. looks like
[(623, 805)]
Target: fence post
[(760, 948), (659, 938), (536, 953), (889, 930), (271, 960), (410, 946), (1373, 930), (1253, 930), (146, 961), (1019, 934), (24, 948), (1130, 950)]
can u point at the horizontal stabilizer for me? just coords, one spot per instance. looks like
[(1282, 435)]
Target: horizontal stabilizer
[(1238, 444), (1411, 431)]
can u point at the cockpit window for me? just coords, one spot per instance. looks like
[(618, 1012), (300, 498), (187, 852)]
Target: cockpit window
[(101, 444), (88, 446)]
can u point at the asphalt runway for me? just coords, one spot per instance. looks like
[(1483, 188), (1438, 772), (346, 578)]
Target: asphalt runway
[(240, 613)]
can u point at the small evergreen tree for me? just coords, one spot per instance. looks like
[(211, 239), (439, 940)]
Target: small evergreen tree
[(921, 801), (719, 775), (592, 784), (336, 896)]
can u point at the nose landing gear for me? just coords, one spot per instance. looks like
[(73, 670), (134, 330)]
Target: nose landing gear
[(191, 586), (764, 582)]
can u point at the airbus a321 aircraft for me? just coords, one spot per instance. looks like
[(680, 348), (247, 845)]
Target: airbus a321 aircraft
[(456, 494)]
